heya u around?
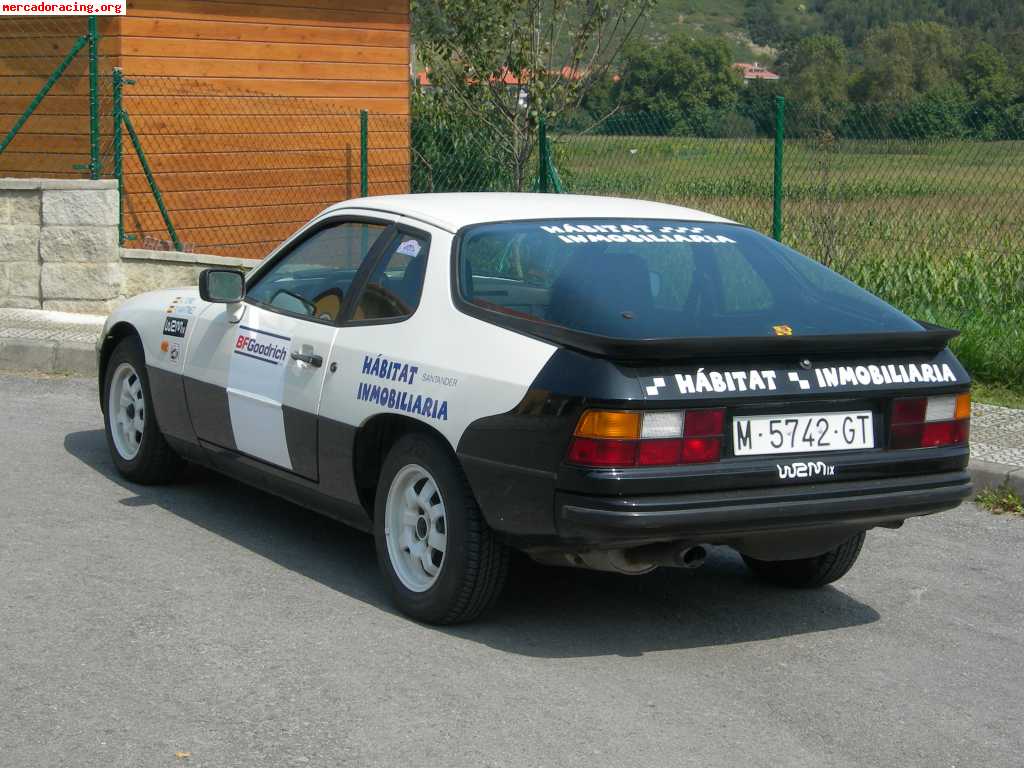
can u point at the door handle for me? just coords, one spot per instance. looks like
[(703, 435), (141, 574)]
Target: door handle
[(310, 359)]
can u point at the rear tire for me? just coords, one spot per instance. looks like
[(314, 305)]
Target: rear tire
[(809, 572), (138, 448), (442, 563)]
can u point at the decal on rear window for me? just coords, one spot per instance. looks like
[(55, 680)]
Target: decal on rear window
[(633, 233), (659, 280)]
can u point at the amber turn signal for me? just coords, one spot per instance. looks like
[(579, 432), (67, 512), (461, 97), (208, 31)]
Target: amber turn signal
[(609, 425), (963, 406)]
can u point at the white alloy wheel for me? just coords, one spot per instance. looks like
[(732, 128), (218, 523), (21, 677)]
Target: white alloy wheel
[(415, 528), (126, 410)]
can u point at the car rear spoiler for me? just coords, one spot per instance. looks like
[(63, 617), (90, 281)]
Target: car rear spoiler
[(932, 339)]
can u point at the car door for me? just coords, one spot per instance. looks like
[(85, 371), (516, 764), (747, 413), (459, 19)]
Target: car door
[(253, 382)]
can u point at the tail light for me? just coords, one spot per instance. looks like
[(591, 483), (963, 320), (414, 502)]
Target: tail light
[(928, 422), (647, 439)]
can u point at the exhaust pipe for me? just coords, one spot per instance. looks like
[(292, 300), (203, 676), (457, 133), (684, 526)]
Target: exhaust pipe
[(672, 555), (691, 557)]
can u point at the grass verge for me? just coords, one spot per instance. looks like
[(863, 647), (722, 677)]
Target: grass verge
[(1001, 500), (998, 394)]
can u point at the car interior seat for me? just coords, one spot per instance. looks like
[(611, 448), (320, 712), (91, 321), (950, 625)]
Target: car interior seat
[(598, 292)]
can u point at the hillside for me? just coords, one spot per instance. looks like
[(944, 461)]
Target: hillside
[(769, 22)]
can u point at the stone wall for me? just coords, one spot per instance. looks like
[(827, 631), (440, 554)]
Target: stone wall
[(59, 249)]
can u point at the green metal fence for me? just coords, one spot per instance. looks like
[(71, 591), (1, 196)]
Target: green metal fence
[(54, 99), (929, 222), (923, 211)]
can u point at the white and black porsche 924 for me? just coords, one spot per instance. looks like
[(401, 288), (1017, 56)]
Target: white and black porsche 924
[(599, 382)]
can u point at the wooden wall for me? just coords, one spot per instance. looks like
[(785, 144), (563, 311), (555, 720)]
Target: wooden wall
[(247, 113), (56, 137)]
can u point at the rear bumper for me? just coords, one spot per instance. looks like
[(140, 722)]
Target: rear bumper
[(727, 516)]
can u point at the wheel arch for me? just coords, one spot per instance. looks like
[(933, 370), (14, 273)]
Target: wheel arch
[(115, 335), (374, 439)]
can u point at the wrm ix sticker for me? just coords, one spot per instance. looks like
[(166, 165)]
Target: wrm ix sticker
[(398, 399)]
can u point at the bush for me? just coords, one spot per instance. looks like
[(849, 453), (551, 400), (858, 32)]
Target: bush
[(449, 150)]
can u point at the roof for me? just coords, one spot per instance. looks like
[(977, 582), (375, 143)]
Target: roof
[(754, 71), (453, 210)]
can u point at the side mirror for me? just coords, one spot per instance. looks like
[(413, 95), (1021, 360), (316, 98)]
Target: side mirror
[(221, 286)]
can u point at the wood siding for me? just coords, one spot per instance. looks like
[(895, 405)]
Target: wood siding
[(247, 113)]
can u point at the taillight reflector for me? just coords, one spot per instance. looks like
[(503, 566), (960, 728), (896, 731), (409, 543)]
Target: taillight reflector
[(701, 449), (590, 452), (647, 439), (704, 423), (930, 422), (654, 453)]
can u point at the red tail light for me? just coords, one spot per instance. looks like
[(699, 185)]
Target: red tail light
[(929, 422), (589, 452), (647, 439)]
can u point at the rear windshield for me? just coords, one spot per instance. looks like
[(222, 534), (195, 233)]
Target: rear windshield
[(658, 279)]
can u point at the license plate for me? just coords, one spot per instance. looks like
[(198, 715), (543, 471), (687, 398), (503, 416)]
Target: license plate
[(802, 433)]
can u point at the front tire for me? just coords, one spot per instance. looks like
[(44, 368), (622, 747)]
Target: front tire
[(809, 572), (442, 563), (138, 448)]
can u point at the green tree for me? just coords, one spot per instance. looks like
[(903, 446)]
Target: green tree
[(815, 80), (854, 20), (763, 21), (505, 65), (684, 81), (904, 61), (991, 89)]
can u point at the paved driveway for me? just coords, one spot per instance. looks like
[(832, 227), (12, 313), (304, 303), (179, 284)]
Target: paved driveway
[(213, 619)]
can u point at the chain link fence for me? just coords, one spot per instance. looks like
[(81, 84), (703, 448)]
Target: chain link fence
[(237, 172), (52, 88), (913, 206), (929, 222)]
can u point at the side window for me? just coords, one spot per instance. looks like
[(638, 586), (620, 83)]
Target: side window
[(393, 290), (315, 276)]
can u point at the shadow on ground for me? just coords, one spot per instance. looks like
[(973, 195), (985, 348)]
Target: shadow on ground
[(545, 612)]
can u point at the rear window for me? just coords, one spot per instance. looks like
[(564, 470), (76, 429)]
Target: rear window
[(657, 279)]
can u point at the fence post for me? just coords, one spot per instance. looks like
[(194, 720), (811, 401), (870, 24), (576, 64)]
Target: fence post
[(54, 77), (95, 171), (149, 178), (780, 121), (118, 82), (542, 152), (364, 171)]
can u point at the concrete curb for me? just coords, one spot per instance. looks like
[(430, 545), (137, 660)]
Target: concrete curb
[(990, 474), (79, 359), (73, 358)]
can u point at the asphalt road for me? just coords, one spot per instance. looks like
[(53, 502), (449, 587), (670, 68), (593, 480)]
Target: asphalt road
[(208, 618)]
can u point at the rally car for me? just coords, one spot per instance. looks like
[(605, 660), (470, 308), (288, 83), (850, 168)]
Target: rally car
[(600, 383)]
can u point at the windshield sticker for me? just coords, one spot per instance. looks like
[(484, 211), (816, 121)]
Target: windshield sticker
[(409, 248), (783, 330), (827, 378), (631, 233)]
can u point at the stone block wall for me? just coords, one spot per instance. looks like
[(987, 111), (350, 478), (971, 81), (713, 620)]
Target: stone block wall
[(59, 249)]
